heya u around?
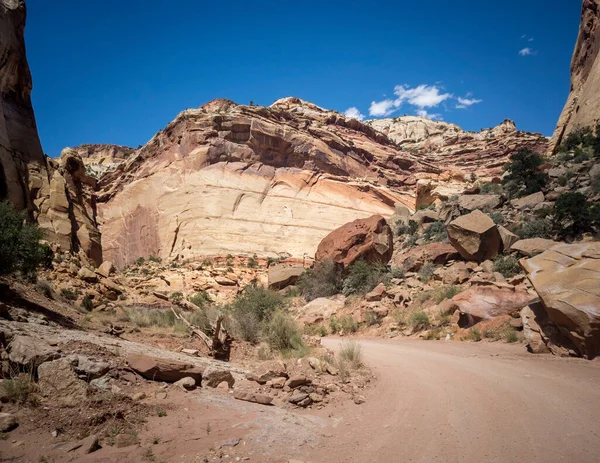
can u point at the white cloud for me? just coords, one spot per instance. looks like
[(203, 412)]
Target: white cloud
[(354, 113), (530, 39), (424, 113), (422, 96), (526, 52), (466, 102), (382, 108)]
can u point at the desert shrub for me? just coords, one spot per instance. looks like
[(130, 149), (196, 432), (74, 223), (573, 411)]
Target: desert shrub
[(475, 335), (363, 277), (20, 248), (140, 261), (564, 156), (200, 299), (511, 336), (436, 232), (324, 280), (315, 330), (447, 292), (282, 332), (345, 324), (523, 175), (490, 188), (18, 389), (334, 326), (508, 266), (409, 228), (426, 271), (419, 320), (46, 289), (87, 304), (371, 318), (534, 228), (350, 353), (498, 218), (68, 294), (200, 319), (176, 296), (582, 154), (397, 272), (154, 259), (252, 262), (581, 136), (573, 214)]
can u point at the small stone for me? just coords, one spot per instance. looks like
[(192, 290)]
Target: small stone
[(213, 376), (186, 383), (297, 397), (223, 385), (231, 442), (297, 380), (359, 399), (278, 383), (138, 396), (8, 422), (253, 397)]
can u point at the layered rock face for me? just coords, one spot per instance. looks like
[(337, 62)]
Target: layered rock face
[(57, 194), (440, 143), (582, 108), (23, 170), (226, 178), (102, 158)]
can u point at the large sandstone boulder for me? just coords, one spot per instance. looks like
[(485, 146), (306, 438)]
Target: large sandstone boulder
[(282, 275), (475, 236), (541, 334), (532, 246), (370, 239), (320, 309), (485, 302), (529, 201), (473, 202), (438, 253), (158, 369), (30, 352), (567, 278), (58, 381)]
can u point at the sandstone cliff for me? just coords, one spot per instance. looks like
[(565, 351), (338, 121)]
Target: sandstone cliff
[(444, 144), (583, 103), (56, 194)]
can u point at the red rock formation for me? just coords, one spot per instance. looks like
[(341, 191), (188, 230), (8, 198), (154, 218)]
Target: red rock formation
[(583, 103)]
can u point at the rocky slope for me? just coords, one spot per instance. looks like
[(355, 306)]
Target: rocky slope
[(102, 158), (444, 144), (583, 103), (57, 194)]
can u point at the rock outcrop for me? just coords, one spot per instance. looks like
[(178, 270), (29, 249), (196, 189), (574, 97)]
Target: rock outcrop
[(56, 194), (443, 144), (475, 236), (583, 103), (100, 159), (567, 278), (369, 239)]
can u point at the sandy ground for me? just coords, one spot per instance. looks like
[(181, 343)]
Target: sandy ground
[(468, 402)]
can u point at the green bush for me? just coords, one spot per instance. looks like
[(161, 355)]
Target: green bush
[(582, 154), (534, 228), (523, 175), (324, 280), (351, 354), (68, 294), (252, 262), (573, 214), (87, 304), (176, 296), (508, 266), (282, 332), (419, 320), (475, 334), (200, 299), (436, 232), (563, 156), (447, 292), (411, 228), (490, 188), (581, 136), (426, 271), (363, 277), (20, 248), (346, 324), (154, 259), (498, 218), (140, 261)]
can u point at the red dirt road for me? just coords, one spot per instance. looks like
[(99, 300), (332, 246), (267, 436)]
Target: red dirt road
[(467, 402)]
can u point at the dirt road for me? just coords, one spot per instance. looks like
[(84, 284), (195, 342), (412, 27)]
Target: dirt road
[(467, 402)]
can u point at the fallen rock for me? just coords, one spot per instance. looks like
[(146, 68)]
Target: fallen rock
[(359, 399), (528, 202), (88, 445), (92, 369), (157, 369), (31, 352), (473, 202), (485, 302), (267, 372), (224, 281), (188, 383), (282, 275), (105, 269), (438, 253), (475, 236), (8, 422), (88, 275), (532, 246), (297, 380), (297, 397), (508, 238), (58, 381), (320, 309), (567, 278), (369, 239), (541, 334), (213, 376), (253, 397), (376, 294)]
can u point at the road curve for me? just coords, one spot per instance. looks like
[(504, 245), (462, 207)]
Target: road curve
[(468, 402)]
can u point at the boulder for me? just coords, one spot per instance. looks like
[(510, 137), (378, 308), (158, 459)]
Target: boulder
[(370, 239), (475, 236), (7, 422), (188, 383), (87, 367), (567, 278), (213, 376), (485, 302), (253, 397), (86, 274), (529, 201), (30, 352), (508, 238), (438, 253), (58, 382), (282, 275), (473, 202), (376, 294), (320, 309), (541, 334), (268, 371), (106, 269), (297, 380), (532, 246), (158, 369)]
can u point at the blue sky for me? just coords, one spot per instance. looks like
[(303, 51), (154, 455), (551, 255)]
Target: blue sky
[(119, 71)]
